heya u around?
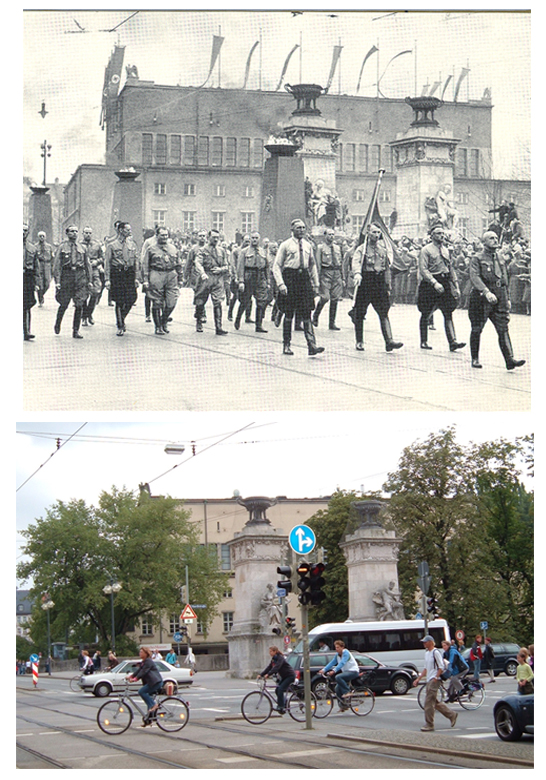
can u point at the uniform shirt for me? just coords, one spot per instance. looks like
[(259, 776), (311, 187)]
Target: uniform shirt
[(120, 254), (44, 252), (30, 258), (434, 260), (70, 254), (289, 255), (488, 270), (94, 253), (370, 257), (161, 257), (328, 256), (250, 257), (211, 257)]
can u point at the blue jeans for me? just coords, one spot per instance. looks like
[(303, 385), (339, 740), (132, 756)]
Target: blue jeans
[(341, 682), (477, 668), (280, 689), (147, 691)]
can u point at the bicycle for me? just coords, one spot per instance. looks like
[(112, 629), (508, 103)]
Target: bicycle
[(116, 715), (470, 697), (257, 706), (360, 699)]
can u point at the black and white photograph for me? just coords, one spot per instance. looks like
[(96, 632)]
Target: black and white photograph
[(277, 210)]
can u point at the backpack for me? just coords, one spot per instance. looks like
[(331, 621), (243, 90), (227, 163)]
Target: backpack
[(459, 663)]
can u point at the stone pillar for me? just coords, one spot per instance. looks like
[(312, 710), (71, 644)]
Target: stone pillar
[(39, 213), (127, 201), (371, 553), (256, 551), (283, 197), (425, 160)]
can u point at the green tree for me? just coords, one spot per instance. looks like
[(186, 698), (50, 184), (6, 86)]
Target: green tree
[(144, 543)]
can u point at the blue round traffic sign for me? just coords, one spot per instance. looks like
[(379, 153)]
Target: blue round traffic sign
[(34, 658), (302, 539), (177, 637)]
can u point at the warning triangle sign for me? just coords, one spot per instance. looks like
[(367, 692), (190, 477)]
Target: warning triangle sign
[(188, 613)]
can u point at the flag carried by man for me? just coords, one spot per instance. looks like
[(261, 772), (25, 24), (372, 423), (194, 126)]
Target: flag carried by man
[(373, 215)]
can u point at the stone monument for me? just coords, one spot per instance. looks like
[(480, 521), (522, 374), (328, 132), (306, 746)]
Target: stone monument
[(256, 551), (127, 201), (40, 213), (425, 160), (371, 552)]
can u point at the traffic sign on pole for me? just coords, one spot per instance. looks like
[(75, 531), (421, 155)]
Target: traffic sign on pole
[(302, 539), (484, 625), (188, 613)]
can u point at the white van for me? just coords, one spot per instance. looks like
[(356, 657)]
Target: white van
[(393, 642)]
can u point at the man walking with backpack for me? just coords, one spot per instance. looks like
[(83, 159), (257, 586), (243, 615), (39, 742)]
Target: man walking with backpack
[(434, 668)]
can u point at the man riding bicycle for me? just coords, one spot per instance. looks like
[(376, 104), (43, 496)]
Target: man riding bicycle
[(150, 676), (346, 669), (279, 665)]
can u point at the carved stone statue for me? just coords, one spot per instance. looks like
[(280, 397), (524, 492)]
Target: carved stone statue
[(270, 614), (446, 211), (388, 603)]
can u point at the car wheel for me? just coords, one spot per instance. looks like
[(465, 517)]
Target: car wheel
[(400, 685), (173, 690), (511, 668), (506, 725), (101, 690)]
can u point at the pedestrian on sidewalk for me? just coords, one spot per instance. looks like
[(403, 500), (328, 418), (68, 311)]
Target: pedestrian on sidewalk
[(488, 656), (434, 668)]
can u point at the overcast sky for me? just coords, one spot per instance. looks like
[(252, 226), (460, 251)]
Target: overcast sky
[(64, 66), (295, 455)]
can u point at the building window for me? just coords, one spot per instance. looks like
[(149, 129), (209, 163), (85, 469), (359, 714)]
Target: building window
[(461, 197), (358, 221), (386, 159), (219, 190), (339, 158), (228, 594), (227, 620), (384, 196), (147, 142), (231, 152), (474, 163), (189, 189), (160, 188), (258, 153), (217, 152), (218, 220), (203, 150), (247, 221), (244, 152), (463, 226), (189, 150), (248, 192), (363, 158), (174, 624), (225, 557), (350, 157), (188, 220), (461, 164), (375, 161), (176, 149), (159, 218), (161, 150), (146, 626), (359, 194)]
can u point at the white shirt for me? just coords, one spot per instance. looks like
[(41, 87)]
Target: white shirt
[(430, 665)]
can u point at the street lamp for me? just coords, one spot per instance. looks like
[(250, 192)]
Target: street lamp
[(113, 587), (47, 604)]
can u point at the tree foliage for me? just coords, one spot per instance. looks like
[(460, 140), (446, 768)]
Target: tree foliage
[(144, 543)]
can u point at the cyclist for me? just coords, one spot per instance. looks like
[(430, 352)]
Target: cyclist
[(150, 676), (457, 668), (345, 668), (280, 666)]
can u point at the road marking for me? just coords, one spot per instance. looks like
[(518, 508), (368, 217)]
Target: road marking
[(311, 752), (47, 733), (487, 735), (84, 731), (236, 759)]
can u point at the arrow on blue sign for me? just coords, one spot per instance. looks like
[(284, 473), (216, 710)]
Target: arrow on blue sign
[(302, 539)]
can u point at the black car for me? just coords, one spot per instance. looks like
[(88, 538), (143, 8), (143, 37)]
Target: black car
[(514, 716), (505, 659), (378, 677)]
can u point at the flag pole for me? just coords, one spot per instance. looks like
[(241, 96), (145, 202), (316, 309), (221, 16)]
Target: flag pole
[(368, 218)]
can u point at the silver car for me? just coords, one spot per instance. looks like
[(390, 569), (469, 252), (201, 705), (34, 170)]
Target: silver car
[(104, 683)]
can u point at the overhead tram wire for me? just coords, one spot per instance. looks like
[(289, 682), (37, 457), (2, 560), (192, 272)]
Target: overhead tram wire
[(59, 446)]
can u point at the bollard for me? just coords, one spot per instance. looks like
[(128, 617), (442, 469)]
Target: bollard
[(35, 674)]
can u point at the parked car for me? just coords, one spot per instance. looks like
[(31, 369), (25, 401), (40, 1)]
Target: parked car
[(104, 683), (378, 677), (514, 716), (505, 659)]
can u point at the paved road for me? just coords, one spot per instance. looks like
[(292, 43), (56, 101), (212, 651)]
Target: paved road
[(245, 370), (60, 726)]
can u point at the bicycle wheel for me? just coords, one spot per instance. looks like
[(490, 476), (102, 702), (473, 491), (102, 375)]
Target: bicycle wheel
[(472, 698), (361, 701), (75, 683), (441, 695), (256, 707), (324, 700), (172, 714), (114, 717), (296, 705)]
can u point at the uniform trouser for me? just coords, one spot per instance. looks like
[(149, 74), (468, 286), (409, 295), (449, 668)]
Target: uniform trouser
[(74, 287), (255, 280), (372, 289), (93, 298), (163, 292), (44, 279), (428, 300), (479, 311), (29, 298), (432, 704), (213, 287)]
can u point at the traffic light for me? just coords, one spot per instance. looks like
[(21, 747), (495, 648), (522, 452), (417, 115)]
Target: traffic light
[(277, 631), (304, 582), (290, 624), (432, 607), (286, 572), (317, 583)]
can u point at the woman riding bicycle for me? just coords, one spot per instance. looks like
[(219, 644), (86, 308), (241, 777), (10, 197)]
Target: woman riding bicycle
[(279, 665), (150, 676), (346, 669)]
